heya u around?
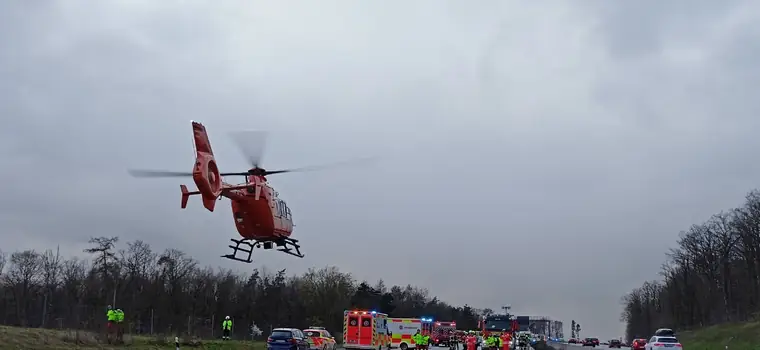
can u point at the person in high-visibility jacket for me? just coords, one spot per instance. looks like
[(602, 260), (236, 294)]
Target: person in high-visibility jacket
[(226, 328), (489, 341), (425, 341), (119, 324), (111, 318), (418, 339)]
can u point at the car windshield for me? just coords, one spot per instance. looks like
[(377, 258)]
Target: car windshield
[(312, 334), (281, 334), (614, 341), (667, 340), (664, 332), (498, 324)]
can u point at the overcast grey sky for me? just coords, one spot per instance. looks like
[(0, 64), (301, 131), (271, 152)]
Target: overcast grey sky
[(589, 131)]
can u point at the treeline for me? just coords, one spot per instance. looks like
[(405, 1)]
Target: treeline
[(170, 292), (711, 277)]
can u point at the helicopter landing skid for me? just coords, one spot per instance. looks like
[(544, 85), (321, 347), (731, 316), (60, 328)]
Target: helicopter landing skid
[(284, 244)]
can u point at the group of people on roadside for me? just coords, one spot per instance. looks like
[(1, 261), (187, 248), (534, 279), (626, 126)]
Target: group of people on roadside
[(115, 323)]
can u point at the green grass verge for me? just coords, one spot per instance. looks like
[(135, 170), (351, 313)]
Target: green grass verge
[(35, 338), (737, 336)]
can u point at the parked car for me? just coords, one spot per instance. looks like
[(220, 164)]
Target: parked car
[(319, 338), (572, 341), (589, 342), (287, 339), (663, 343), (638, 344), (614, 343)]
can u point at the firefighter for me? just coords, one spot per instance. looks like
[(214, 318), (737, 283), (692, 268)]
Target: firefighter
[(119, 325), (111, 324), (226, 328), (471, 341), (506, 338)]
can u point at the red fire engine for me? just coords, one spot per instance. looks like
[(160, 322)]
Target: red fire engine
[(442, 333)]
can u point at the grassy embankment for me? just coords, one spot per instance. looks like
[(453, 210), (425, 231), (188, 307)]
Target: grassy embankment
[(34, 338), (737, 336)]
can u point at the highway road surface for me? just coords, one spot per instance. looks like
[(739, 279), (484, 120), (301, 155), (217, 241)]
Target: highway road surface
[(563, 346)]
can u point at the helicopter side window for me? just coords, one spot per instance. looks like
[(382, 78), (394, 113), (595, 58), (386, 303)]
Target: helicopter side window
[(282, 209)]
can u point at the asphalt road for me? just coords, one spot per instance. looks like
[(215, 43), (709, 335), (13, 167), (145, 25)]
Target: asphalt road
[(561, 346)]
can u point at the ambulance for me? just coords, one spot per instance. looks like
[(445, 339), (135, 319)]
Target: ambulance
[(367, 330), (402, 330)]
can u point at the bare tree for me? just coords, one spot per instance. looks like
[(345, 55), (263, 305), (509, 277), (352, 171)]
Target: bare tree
[(3, 259), (711, 277), (51, 269), (105, 260), (170, 293), (23, 279)]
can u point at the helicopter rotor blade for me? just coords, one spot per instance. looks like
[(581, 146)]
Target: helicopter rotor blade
[(159, 173), (323, 166), (162, 173), (252, 144)]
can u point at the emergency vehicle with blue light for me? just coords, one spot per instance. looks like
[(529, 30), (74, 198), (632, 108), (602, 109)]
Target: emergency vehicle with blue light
[(365, 330), (402, 330), (443, 333)]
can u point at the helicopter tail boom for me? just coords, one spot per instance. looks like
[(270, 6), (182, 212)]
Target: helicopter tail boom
[(205, 172)]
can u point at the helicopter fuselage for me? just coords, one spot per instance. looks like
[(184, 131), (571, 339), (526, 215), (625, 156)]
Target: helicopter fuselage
[(258, 212)]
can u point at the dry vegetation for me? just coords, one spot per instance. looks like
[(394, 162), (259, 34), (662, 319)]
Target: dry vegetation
[(37, 338), (711, 279), (171, 293)]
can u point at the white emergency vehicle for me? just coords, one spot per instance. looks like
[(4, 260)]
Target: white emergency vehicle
[(402, 330)]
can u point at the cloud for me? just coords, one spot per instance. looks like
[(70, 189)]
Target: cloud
[(591, 133)]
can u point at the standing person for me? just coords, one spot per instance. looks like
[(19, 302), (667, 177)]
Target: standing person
[(506, 338), (111, 322), (417, 339), (119, 325), (226, 328), (425, 341), (489, 341), (471, 341)]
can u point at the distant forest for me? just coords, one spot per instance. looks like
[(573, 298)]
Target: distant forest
[(711, 277), (170, 293)]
